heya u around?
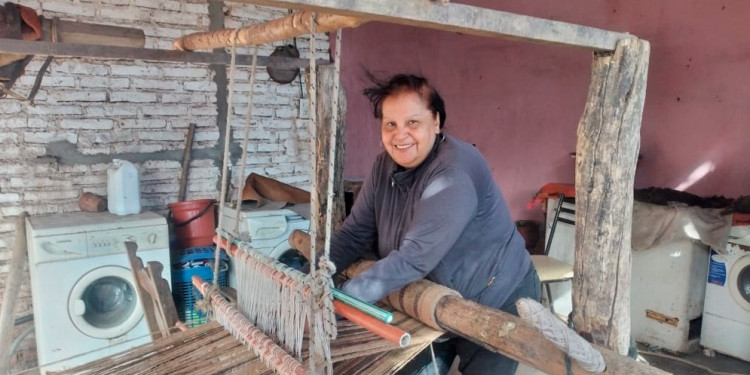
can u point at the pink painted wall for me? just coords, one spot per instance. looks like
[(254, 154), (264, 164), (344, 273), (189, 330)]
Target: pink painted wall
[(520, 103)]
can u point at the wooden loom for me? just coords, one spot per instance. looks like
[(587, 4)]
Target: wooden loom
[(615, 99), (296, 301), (610, 121)]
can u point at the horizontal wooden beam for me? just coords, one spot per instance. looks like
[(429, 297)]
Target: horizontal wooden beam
[(149, 54), (88, 33), (461, 18)]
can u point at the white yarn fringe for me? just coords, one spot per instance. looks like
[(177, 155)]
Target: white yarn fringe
[(279, 311)]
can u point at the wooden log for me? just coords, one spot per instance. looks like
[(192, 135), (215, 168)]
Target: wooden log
[(73, 32), (272, 31), (606, 156), (300, 241), (326, 81), (153, 292), (501, 332), (460, 18), (90, 202), (514, 337), (13, 283), (185, 163)]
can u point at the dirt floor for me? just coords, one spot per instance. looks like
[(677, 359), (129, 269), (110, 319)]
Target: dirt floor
[(690, 364)]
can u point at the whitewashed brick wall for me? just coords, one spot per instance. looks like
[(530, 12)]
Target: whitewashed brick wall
[(109, 107)]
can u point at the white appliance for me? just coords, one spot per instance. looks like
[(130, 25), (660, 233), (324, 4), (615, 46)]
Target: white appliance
[(726, 315), (667, 284), (85, 301), (667, 289), (562, 248), (267, 230)]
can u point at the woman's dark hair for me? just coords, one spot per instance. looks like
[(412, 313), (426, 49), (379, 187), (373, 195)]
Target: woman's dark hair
[(405, 82)]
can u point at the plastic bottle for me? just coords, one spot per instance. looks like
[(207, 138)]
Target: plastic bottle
[(123, 188)]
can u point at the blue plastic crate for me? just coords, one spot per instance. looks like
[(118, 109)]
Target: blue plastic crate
[(194, 261)]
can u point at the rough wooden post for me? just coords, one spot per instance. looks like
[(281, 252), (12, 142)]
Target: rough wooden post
[(326, 80), (606, 154)]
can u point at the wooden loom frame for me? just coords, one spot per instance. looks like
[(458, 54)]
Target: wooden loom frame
[(607, 144), (611, 121)]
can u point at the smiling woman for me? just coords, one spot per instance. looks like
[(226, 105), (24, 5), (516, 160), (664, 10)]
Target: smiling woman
[(411, 115), (431, 209)]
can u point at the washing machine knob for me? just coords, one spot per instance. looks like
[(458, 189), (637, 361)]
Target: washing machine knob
[(152, 238), (79, 307)]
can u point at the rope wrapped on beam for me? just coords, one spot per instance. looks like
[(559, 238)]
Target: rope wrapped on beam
[(561, 335), (283, 28)]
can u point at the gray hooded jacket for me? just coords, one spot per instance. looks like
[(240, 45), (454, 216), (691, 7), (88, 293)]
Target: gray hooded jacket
[(445, 220)]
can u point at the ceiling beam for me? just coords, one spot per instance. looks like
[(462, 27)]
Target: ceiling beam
[(461, 18), (148, 54)]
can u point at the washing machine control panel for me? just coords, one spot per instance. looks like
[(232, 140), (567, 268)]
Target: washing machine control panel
[(91, 244), (55, 248), (109, 242)]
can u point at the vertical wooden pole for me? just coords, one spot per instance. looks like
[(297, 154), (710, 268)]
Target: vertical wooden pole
[(606, 154), (12, 287), (324, 112)]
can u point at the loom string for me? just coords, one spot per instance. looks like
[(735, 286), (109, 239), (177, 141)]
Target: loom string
[(243, 160), (204, 304)]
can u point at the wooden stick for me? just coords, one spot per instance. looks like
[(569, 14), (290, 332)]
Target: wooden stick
[(150, 54), (460, 18), (185, 163), (12, 286), (280, 29)]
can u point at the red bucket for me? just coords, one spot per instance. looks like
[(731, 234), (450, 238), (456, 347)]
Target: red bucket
[(194, 222)]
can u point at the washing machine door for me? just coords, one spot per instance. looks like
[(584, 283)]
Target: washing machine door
[(288, 256), (104, 303), (739, 282)]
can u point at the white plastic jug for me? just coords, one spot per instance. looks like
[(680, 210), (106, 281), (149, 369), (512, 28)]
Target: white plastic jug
[(123, 188)]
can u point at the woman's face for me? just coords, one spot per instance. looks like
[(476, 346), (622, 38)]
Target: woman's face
[(408, 128)]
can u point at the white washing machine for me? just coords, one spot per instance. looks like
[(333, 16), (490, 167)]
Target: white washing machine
[(85, 301), (726, 314), (667, 289), (267, 230)]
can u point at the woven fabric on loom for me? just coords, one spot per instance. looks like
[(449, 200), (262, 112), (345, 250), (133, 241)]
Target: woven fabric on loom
[(210, 349)]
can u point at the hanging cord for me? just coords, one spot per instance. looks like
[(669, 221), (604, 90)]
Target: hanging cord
[(434, 361), (225, 164), (316, 330), (324, 278), (243, 161), (313, 150)]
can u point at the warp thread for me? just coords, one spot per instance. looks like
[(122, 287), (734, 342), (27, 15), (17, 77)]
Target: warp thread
[(276, 305)]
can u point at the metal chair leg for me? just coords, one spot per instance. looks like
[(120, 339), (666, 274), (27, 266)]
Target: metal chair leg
[(549, 298)]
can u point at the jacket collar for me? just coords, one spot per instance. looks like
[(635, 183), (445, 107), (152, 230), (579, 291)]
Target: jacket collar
[(404, 178)]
